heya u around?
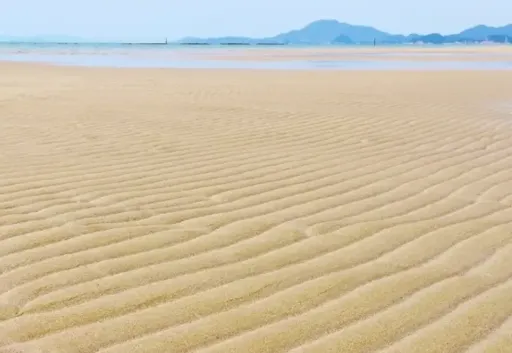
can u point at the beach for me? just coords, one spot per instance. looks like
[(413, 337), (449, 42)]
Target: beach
[(164, 210)]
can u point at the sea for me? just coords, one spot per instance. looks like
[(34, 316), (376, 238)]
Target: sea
[(116, 55)]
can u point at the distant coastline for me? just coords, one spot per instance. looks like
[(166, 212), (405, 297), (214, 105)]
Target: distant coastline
[(233, 44), (318, 33), (333, 32), (47, 43)]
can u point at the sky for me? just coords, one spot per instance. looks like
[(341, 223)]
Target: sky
[(158, 19)]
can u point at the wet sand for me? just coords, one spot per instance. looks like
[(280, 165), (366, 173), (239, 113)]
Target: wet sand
[(149, 211), (478, 57), (476, 53)]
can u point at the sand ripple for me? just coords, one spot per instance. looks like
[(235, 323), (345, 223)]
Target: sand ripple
[(209, 211)]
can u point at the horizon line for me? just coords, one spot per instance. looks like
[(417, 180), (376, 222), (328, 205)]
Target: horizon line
[(88, 40)]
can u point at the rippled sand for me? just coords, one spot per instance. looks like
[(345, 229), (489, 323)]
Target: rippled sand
[(249, 211)]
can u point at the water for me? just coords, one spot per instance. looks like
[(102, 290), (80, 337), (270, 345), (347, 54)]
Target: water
[(176, 56)]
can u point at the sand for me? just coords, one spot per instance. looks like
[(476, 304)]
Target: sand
[(251, 211)]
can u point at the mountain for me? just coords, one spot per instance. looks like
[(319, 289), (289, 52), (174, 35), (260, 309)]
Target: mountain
[(475, 34), (433, 38), (481, 32), (326, 31), (342, 39), (399, 39), (500, 38), (335, 32), (318, 32)]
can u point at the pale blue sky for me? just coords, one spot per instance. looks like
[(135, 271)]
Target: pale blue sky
[(155, 19)]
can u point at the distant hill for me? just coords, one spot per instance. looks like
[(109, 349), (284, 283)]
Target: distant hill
[(342, 39), (500, 38), (335, 32), (322, 32), (318, 32), (326, 31), (481, 32), (434, 38), (472, 35), (399, 39)]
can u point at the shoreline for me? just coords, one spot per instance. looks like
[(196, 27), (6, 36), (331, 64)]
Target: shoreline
[(486, 58), (274, 66)]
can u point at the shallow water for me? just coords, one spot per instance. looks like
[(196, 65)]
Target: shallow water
[(125, 57)]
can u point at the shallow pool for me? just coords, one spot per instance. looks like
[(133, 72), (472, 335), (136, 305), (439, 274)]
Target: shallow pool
[(127, 60)]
